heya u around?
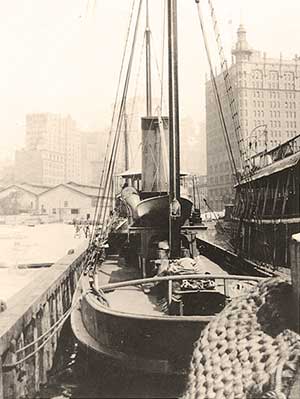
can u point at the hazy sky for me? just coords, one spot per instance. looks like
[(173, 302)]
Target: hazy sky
[(64, 55)]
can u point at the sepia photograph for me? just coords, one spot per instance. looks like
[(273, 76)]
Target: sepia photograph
[(150, 199)]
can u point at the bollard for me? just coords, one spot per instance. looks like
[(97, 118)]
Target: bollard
[(295, 274)]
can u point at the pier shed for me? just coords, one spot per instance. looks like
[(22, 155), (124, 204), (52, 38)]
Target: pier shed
[(68, 201), (20, 197)]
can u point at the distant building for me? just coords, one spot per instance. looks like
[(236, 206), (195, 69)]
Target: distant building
[(20, 198), (267, 92), (69, 201), (93, 147), (29, 166), (197, 188), (57, 152), (7, 173)]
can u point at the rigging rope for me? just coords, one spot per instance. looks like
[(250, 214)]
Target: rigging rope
[(216, 92), (137, 85), (55, 327), (112, 161), (248, 203), (92, 236), (228, 86)]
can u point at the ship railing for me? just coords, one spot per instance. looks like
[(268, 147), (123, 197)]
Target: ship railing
[(222, 280)]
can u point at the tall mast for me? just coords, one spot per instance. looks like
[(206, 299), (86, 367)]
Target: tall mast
[(174, 169), (126, 152), (148, 63)]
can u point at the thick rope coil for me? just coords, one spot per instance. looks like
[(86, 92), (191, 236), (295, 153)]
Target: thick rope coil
[(249, 351)]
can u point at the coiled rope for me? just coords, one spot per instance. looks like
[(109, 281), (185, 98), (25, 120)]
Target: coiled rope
[(250, 350)]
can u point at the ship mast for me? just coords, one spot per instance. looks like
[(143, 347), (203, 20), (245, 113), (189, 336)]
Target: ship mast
[(148, 63), (126, 152), (174, 168)]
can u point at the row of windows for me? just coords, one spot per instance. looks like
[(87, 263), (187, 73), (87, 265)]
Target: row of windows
[(258, 94), (259, 122), (291, 133), (54, 157), (74, 211), (274, 104), (273, 75), (290, 95), (290, 124), (275, 123), (66, 204), (271, 85), (259, 114), (258, 103), (272, 94), (275, 114), (275, 133)]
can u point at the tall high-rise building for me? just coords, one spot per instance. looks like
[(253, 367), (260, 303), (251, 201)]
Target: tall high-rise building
[(93, 148), (52, 152), (56, 151), (267, 93)]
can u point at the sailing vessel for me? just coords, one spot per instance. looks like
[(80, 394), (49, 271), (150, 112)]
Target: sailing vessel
[(146, 293), (267, 206)]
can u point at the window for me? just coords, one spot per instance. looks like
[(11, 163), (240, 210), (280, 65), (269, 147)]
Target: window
[(65, 204), (54, 211), (74, 211)]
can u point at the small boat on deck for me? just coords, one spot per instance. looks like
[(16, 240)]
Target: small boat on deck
[(144, 301)]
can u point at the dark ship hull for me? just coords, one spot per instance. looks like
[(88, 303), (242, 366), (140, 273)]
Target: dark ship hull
[(267, 207), (130, 328)]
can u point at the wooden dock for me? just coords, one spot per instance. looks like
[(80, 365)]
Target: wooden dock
[(35, 315)]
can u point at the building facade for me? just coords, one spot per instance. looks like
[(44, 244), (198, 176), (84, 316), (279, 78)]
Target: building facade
[(56, 151), (20, 198), (69, 201), (93, 147), (267, 93)]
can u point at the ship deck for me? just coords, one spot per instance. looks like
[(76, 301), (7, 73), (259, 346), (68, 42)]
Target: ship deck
[(132, 299)]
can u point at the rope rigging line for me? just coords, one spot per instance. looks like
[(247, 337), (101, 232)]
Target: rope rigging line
[(137, 84), (216, 92), (159, 74), (92, 236), (228, 86), (54, 327), (233, 109), (112, 161), (232, 102)]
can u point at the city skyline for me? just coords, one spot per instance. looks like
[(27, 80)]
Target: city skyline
[(56, 57)]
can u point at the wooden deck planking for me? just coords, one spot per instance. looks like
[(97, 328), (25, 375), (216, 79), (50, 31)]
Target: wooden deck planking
[(133, 299), (128, 299)]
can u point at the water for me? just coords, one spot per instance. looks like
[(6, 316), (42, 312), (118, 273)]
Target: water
[(75, 374), (212, 235), (21, 245)]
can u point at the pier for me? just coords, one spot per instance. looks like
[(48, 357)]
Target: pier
[(30, 325)]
